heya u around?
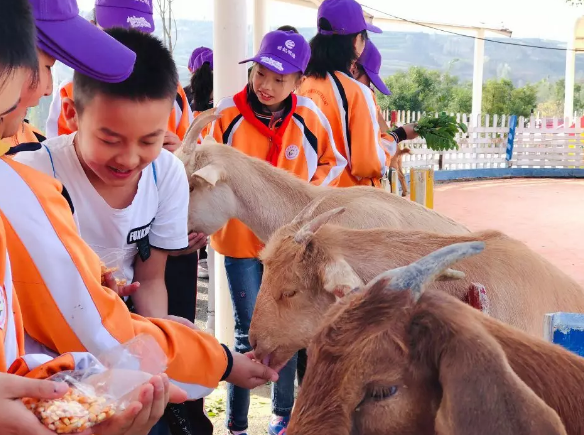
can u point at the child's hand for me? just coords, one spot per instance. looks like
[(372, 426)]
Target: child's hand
[(141, 415), (171, 141), (15, 419), (121, 290), (196, 242), (249, 374)]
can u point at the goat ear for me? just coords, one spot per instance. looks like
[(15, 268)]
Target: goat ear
[(450, 275), (339, 278), (481, 394), (211, 174)]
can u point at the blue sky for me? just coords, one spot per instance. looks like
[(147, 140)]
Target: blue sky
[(548, 19)]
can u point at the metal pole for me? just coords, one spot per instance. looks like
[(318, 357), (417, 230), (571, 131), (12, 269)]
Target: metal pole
[(477, 77), (229, 47), (570, 75)]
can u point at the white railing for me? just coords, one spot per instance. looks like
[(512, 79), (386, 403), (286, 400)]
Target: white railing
[(538, 143)]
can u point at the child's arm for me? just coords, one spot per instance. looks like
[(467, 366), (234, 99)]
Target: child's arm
[(58, 282), (151, 299)]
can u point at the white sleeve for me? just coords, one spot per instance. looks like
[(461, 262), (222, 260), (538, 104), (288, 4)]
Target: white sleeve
[(169, 229), (52, 125), (39, 160)]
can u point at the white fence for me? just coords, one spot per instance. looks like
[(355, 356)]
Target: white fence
[(538, 143)]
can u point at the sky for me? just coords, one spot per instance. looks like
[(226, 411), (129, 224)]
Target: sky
[(547, 19)]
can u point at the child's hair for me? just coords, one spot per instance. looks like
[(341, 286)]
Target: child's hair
[(18, 36), (330, 53), (287, 28), (202, 87), (154, 76)]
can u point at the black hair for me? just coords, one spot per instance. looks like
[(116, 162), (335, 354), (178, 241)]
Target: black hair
[(202, 87), (154, 76), (287, 28), (18, 36), (330, 53)]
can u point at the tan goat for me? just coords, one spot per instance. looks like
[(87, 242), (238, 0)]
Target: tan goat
[(390, 360), (308, 265), (226, 184)]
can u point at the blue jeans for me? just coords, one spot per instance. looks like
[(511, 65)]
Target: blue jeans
[(244, 276)]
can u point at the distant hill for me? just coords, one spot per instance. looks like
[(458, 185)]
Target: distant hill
[(401, 50)]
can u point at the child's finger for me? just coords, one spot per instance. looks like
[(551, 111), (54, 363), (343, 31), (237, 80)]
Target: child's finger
[(128, 290), (110, 280)]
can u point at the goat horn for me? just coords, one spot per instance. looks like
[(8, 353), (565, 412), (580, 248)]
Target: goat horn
[(195, 129), (414, 276), (307, 212), (308, 230)]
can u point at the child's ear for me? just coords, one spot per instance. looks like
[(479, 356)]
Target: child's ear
[(70, 113)]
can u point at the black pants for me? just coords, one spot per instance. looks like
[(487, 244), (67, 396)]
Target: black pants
[(181, 282), (203, 253), (301, 365)]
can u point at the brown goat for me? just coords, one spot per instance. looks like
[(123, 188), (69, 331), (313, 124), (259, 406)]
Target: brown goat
[(236, 186), (390, 360), (307, 266)]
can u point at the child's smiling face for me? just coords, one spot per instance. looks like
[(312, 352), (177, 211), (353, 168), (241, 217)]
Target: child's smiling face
[(272, 88), (118, 137)]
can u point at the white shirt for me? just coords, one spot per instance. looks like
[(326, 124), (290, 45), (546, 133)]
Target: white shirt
[(157, 216)]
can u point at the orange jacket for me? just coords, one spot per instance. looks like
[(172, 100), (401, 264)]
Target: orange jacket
[(58, 283), (308, 151), (351, 111), (11, 329), (178, 122)]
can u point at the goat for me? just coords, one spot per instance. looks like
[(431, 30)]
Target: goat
[(227, 184), (392, 358), (307, 266)]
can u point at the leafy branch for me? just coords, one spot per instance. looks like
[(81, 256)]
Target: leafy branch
[(439, 132)]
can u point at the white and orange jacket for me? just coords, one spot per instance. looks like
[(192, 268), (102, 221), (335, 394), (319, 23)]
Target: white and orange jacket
[(179, 121), (307, 150), (12, 358), (64, 308), (351, 111)]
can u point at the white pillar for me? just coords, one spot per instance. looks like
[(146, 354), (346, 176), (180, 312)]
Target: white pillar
[(210, 326), (477, 77), (229, 47), (260, 23), (570, 76)]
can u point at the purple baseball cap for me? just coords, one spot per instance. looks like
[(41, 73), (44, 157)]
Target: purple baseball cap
[(68, 37), (206, 56), (370, 60), (345, 17), (194, 56), (283, 52), (129, 14)]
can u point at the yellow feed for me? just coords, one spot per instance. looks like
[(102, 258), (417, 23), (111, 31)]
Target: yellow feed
[(72, 413)]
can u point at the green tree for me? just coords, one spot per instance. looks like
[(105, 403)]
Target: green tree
[(424, 90)]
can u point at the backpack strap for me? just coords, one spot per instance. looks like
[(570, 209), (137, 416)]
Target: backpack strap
[(52, 163), (154, 174)]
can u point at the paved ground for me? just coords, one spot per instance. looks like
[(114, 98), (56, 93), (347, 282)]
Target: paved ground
[(548, 215)]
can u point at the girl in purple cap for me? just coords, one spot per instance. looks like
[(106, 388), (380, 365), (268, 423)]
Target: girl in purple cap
[(366, 71), (348, 104), (267, 120)]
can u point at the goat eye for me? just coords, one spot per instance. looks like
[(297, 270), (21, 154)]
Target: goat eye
[(289, 294), (382, 393)]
